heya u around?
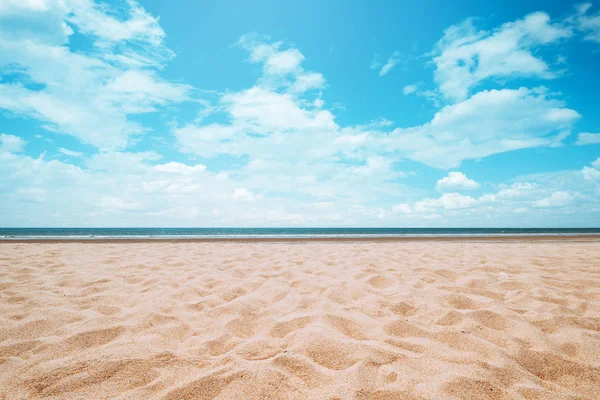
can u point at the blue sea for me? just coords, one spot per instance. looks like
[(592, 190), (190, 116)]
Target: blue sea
[(179, 233)]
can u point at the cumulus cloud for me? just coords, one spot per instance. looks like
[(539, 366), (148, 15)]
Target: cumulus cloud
[(90, 95), (489, 122), (557, 199), (585, 138), (243, 194), (466, 56), (592, 173), (11, 143), (456, 181), (448, 201)]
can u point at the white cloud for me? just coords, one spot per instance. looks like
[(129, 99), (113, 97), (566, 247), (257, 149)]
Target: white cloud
[(377, 165), (591, 174), (456, 181), (489, 122), (391, 63), (121, 162), (283, 62), (402, 208), (207, 140), (487, 198), (179, 168), (133, 193), (307, 81), (265, 111), (243, 194), (585, 138), (11, 143), (557, 199), (517, 189), (70, 153), (89, 94), (116, 203), (590, 24), (138, 28), (448, 201), (290, 152), (409, 89), (465, 56), (282, 68)]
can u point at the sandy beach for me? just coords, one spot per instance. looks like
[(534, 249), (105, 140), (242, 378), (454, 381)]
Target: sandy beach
[(460, 319)]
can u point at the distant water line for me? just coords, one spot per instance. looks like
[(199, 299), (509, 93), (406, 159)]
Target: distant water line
[(190, 233)]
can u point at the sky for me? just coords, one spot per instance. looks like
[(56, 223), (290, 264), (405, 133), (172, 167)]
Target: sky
[(307, 113)]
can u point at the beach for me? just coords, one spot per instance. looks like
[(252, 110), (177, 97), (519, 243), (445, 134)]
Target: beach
[(463, 318)]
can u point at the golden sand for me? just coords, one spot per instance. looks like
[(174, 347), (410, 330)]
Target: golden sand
[(300, 320)]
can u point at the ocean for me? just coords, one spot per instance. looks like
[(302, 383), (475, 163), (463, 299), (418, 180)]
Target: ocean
[(178, 233)]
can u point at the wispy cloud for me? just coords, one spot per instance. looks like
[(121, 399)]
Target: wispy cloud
[(391, 62), (70, 153), (409, 89), (589, 24), (585, 138)]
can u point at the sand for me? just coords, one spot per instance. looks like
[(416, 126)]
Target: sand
[(300, 320)]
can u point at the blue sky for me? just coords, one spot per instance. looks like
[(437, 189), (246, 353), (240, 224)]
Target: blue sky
[(222, 113)]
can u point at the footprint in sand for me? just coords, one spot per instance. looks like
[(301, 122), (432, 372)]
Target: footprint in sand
[(302, 369), (347, 326), (462, 302), (380, 282), (466, 388), (451, 318), (107, 310), (204, 388), (116, 376), (404, 329), (405, 345), (489, 319), (258, 350), (242, 327), (15, 350), (221, 345), (94, 338), (446, 273), (331, 354), (283, 328), (403, 309), (551, 367)]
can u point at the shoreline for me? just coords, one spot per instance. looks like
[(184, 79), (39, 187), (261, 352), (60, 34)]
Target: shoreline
[(575, 238)]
